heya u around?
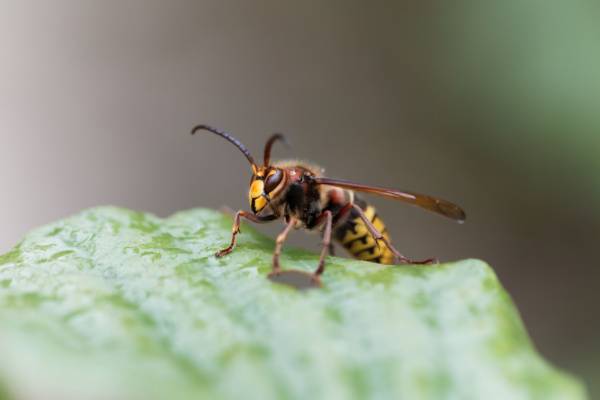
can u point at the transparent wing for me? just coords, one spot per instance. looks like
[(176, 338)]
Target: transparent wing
[(439, 206)]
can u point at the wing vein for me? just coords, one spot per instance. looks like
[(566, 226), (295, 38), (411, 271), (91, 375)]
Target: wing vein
[(434, 204)]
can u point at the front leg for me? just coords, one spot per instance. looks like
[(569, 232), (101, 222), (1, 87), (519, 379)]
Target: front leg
[(236, 228)]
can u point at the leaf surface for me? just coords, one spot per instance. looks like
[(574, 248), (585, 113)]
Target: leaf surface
[(116, 304)]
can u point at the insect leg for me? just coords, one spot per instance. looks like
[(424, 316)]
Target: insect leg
[(378, 236), (279, 244), (326, 243), (335, 219), (236, 228), (330, 247)]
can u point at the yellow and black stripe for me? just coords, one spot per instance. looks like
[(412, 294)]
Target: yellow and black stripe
[(355, 237)]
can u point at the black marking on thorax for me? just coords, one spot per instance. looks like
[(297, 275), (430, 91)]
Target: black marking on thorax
[(304, 201)]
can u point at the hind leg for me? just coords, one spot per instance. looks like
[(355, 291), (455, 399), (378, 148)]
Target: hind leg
[(379, 236), (330, 246)]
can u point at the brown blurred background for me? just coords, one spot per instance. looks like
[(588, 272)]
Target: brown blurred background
[(493, 105)]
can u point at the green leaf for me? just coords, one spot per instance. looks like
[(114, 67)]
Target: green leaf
[(116, 304)]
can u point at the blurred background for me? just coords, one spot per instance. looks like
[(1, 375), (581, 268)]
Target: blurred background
[(493, 105)]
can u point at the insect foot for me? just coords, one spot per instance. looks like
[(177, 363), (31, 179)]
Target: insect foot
[(223, 252), (428, 261), (297, 279)]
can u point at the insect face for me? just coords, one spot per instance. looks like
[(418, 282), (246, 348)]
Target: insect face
[(265, 185), (267, 181)]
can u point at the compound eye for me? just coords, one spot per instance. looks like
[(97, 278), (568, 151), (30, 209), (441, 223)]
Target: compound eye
[(273, 180)]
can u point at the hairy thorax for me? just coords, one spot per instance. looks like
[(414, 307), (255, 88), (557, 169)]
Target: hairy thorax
[(303, 199)]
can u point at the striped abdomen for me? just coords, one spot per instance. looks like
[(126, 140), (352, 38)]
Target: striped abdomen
[(355, 237)]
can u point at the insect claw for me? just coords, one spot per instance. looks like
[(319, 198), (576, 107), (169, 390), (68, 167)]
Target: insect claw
[(223, 252), (297, 279), (316, 279), (429, 261), (274, 273)]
